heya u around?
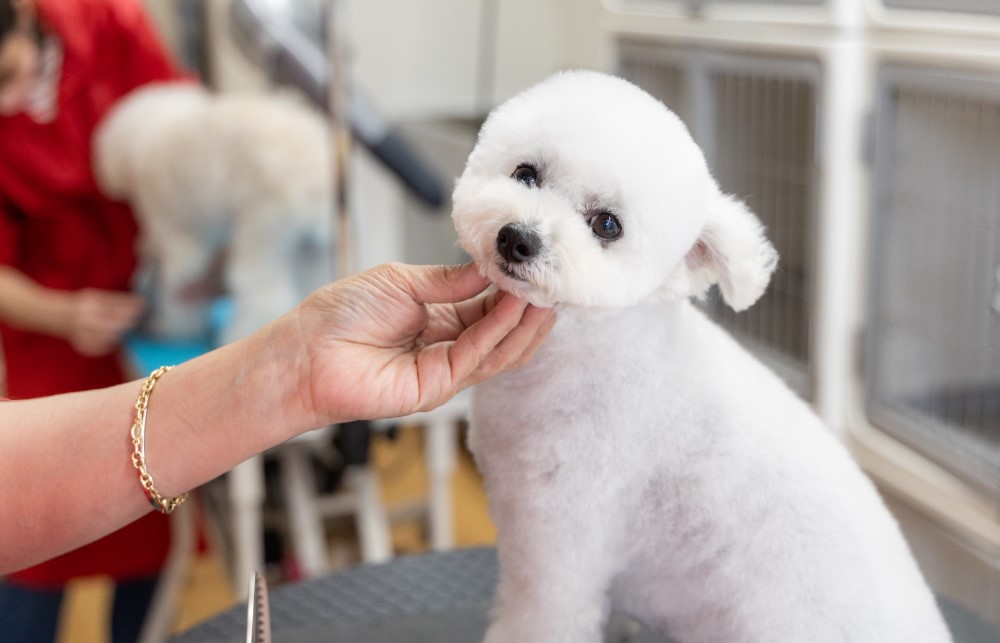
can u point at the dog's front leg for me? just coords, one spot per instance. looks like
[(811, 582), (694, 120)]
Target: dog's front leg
[(260, 273), (183, 257), (555, 571), (551, 595)]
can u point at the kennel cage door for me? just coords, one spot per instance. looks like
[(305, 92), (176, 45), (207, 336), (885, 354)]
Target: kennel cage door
[(933, 363), (763, 148), (949, 6)]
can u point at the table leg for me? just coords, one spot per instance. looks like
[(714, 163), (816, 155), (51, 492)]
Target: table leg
[(440, 446), (246, 493)]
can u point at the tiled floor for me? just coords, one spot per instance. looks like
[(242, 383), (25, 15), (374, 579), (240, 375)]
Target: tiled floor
[(208, 591)]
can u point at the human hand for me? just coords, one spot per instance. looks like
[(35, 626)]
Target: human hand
[(98, 319), (399, 339)]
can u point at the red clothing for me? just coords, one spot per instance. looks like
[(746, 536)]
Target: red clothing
[(58, 229)]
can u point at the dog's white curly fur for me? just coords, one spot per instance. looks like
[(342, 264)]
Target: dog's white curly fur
[(643, 459), (246, 172)]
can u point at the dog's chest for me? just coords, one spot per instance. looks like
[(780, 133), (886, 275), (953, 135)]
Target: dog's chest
[(595, 385)]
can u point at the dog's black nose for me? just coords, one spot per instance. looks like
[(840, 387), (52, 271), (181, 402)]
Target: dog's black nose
[(517, 243)]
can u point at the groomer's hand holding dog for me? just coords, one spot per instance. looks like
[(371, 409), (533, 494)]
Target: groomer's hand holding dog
[(400, 339), (387, 342), (92, 320), (98, 319)]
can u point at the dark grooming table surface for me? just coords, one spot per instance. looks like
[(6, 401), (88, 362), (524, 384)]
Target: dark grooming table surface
[(431, 598)]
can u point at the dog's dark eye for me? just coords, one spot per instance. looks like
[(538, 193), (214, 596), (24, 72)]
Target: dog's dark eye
[(606, 226), (526, 174)]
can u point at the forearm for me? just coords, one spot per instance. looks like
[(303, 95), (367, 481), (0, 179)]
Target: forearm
[(25, 304), (76, 482), (365, 347), (225, 407)]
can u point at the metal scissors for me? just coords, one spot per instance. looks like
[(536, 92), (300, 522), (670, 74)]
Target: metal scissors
[(258, 611)]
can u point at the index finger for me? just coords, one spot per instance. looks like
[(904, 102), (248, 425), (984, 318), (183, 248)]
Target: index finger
[(440, 284)]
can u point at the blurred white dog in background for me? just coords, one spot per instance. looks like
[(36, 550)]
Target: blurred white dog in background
[(643, 459), (245, 178)]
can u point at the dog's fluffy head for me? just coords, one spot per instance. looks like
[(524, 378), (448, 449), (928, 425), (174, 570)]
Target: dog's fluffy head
[(586, 190)]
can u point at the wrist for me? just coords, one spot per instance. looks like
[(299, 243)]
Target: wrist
[(57, 316), (275, 369), (52, 312), (213, 412)]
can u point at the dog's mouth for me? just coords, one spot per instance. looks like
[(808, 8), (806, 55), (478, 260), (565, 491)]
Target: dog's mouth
[(523, 280), (508, 271)]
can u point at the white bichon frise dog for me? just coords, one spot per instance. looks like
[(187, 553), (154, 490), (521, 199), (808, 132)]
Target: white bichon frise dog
[(644, 460), (249, 176)]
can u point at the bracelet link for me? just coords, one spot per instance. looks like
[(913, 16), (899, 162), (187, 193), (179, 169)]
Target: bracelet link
[(138, 434)]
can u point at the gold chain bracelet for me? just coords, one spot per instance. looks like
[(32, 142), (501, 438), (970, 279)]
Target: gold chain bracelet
[(159, 502)]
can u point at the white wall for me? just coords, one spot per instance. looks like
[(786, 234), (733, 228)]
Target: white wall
[(429, 58)]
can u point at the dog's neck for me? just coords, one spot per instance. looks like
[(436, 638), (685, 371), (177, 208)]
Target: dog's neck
[(650, 335), (653, 305), (655, 315)]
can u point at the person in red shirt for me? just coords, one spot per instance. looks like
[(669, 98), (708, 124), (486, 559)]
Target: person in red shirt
[(67, 255)]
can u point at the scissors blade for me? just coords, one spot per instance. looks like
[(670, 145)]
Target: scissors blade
[(258, 612)]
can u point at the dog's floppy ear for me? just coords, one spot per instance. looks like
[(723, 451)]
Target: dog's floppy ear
[(731, 251)]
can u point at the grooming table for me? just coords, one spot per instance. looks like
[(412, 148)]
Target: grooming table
[(442, 597)]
